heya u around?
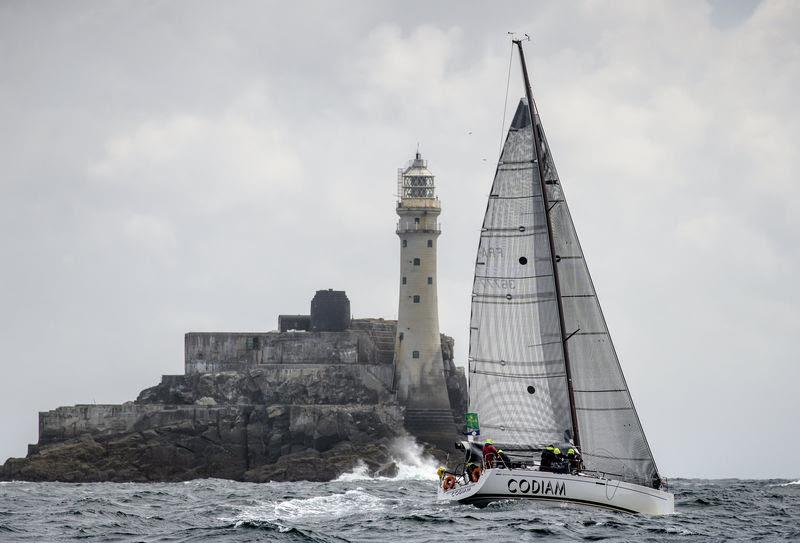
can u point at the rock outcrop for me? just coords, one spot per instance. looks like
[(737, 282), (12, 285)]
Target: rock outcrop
[(253, 443), (251, 407)]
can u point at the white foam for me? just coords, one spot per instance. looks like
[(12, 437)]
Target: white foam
[(792, 483), (290, 512), (360, 473), (412, 464)]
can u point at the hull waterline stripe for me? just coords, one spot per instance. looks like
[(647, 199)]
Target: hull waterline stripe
[(493, 497)]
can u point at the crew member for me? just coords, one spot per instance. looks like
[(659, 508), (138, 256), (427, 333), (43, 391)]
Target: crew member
[(551, 459), (503, 461), (575, 460), (473, 472), (489, 454)]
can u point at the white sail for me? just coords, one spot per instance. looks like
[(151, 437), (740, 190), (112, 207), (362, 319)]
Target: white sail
[(518, 372), (611, 435), (517, 380)]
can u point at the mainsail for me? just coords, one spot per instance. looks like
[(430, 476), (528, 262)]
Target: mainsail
[(518, 382), (526, 389)]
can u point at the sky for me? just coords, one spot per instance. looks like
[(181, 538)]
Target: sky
[(182, 166)]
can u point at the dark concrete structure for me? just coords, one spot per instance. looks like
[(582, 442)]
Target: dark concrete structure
[(330, 311), (287, 323)]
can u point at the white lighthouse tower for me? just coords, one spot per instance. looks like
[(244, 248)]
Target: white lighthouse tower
[(419, 377)]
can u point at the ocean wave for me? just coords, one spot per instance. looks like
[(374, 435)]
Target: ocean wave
[(286, 514), (389, 511), (409, 456), (359, 473)]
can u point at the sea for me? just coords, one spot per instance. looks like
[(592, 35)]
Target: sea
[(357, 507)]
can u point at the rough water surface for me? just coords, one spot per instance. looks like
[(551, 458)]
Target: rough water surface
[(357, 508)]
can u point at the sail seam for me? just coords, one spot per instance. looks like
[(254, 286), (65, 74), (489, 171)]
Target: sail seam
[(520, 375), (509, 235), (498, 197), (600, 390), (603, 408), (515, 278)]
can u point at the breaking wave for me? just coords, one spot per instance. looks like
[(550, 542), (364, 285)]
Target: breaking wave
[(286, 514), (409, 456), (360, 473)]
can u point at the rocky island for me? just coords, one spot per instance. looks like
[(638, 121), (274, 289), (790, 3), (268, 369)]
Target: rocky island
[(309, 401)]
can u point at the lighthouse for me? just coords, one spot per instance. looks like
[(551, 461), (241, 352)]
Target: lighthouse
[(419, 377)]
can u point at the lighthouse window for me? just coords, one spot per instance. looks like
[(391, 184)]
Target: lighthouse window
[(405, 243), (416, 261), (415, 354), (430, 243), (404, 280), (430, 280), (416, 298)]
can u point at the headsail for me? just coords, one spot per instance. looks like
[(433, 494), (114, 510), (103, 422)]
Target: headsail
[(524, 317), (612, 438), (516, 360)]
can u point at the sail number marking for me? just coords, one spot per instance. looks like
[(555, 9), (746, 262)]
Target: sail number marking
[(534, 486), (490, 252), (504, 284)]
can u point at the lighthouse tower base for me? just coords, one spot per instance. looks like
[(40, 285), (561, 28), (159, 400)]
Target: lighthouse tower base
[(434, 426)]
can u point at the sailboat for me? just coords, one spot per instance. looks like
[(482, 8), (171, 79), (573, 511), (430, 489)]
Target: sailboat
[(543, 371)]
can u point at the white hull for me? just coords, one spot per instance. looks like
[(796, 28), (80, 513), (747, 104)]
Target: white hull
[(504, 484)]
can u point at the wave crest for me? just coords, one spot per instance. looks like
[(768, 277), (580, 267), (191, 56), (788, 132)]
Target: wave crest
[(409, 456)]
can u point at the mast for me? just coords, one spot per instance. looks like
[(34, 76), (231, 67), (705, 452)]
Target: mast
[(538, 147)]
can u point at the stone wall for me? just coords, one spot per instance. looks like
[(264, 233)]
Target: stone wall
[(209, 352), (72, 421)]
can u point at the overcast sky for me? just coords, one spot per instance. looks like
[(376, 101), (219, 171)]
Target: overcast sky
[(204, 166)]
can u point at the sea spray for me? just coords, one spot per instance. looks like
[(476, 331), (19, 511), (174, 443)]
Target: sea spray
[(409, 457), (411, 460), (359, 473)]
